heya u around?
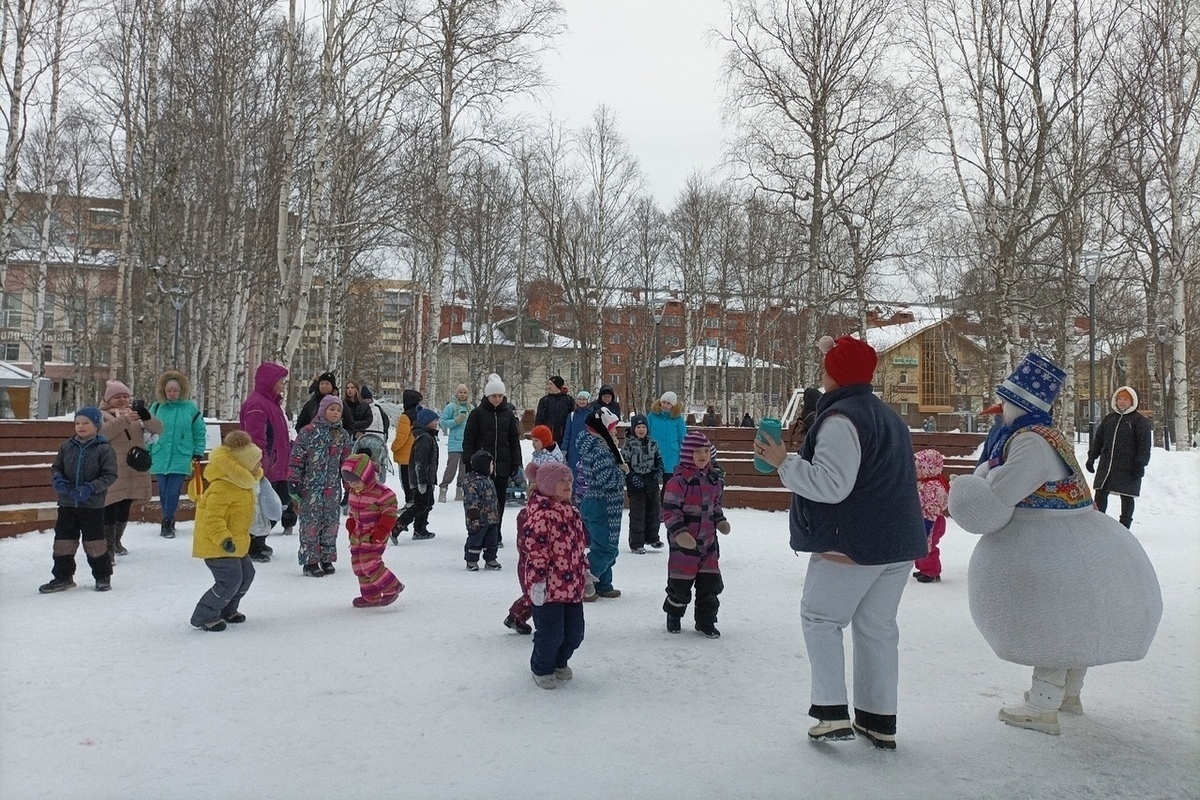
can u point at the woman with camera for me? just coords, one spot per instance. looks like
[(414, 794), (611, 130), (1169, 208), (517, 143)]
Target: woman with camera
[(125, 425)]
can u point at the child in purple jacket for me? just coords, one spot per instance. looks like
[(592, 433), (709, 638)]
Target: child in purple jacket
[(692, 514)]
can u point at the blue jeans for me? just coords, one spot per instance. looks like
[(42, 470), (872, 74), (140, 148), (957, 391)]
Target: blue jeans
[(558, 632), (169, 487)]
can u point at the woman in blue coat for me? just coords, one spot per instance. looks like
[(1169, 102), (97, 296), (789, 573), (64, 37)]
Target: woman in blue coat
[(454, 422), (181, 442), (574, 427), (667, 428)]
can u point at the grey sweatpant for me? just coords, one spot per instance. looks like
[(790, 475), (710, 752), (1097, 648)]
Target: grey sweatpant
[(866, 598), (232, 577)]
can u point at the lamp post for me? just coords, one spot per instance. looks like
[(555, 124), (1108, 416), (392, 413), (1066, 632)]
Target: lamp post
[(1161, 333), (177, 295), (1092, 263), (658, 316)]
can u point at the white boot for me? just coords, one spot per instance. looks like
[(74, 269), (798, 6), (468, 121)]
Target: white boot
[(831, 730), (546, 681), (1026, 716)]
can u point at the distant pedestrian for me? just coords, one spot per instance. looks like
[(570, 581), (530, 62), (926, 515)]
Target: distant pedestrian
[(262, 417), (554, 407), (422, 476), (315, 481), (667, 427), (642, 485), (182, 443), (454, 423), (1122, 444)]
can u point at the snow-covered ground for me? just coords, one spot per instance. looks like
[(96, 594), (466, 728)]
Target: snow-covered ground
[(116, 696)]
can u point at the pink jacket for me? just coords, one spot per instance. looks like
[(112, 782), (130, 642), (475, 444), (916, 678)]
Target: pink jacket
[(932, 486), (376, 503), (555, 544)]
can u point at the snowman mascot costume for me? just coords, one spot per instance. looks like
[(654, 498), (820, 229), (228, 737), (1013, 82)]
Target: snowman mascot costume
[(1053, 583)]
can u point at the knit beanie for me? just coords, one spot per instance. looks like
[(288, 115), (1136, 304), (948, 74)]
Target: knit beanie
[(114, 388), (364, 392), (325, 376), (691, 443), (327, 401), (1034, 384), (542, 434), (546, 476), (848, 360), (669, 397), (243, 449), (811, 395), (494, 385), (426, 416), (91, 413), (585, 394), (481, 463), (638, 419), (558, 381)]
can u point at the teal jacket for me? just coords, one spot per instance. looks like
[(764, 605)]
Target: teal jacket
[(183, 433), (454, 430)]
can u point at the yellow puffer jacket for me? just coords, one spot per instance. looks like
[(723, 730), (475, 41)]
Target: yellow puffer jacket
[(226, 509)]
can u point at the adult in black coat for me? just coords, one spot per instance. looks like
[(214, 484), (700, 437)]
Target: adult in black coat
[(606, 398), (492, 426), (554, 408), (1122, 444), (357, 415), (323, 385)]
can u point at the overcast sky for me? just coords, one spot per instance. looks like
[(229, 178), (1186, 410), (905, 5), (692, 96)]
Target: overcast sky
[(654, 64)]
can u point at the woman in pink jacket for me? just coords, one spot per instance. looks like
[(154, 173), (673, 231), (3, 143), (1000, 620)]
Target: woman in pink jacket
[(554, 573)]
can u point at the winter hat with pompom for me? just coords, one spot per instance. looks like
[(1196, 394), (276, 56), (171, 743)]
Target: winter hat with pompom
[(848, 360), (542, 434), (243, 449), (546, 477), (494, 385)]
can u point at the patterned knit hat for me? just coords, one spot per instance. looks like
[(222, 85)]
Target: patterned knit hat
[(1034, 384), (358, 467), (691, 443), (327, 401), (542, 434), (929, 463), (547, 476)]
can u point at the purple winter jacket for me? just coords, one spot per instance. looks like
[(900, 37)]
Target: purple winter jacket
[(262, 417)]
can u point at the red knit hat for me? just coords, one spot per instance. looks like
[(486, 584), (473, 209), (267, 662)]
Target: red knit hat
[(849, 360), (543, 434)]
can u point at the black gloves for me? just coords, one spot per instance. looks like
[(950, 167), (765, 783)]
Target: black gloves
[(140, 407), (1090, 466)]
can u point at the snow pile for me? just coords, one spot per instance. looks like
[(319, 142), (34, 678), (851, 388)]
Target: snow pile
[(115, 695)]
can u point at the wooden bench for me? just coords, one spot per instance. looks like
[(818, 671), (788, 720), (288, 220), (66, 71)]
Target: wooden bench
[(27, 500)]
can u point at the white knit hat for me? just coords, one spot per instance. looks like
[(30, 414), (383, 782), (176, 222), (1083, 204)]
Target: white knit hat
[(494, 385), (669, 397)]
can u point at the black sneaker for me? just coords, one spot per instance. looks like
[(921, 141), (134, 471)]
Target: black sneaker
[(327, 568), (708, 629), (314, 571), (236, 618), (422, 535), (492, 565), (514, 624), (57, 585), (923, 578), (215, 626), (472, 566), (103, 584), (674, 624)]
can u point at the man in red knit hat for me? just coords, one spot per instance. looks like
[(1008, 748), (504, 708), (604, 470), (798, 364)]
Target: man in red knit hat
[(855, 509)]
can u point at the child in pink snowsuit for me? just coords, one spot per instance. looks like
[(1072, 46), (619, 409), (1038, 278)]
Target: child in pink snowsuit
[(933, 489), (373, 513)]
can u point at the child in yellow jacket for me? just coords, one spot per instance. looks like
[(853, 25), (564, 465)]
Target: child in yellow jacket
[(224, 515)]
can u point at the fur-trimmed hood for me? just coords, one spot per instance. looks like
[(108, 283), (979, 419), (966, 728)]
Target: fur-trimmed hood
[(160, 386), (1133, 395)]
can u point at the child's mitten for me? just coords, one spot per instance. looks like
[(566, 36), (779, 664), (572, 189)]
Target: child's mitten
[(537, 593), (723, 526), (228, 546), (351, 525), (81, 494), (60, 483), (382, 531)]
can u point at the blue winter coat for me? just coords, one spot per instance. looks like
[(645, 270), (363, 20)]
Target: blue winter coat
[(183, 435), (454, 430), (668, 429), (571, 431)]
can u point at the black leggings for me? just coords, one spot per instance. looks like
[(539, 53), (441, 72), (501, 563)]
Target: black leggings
[(1126, 506), (117, 512)]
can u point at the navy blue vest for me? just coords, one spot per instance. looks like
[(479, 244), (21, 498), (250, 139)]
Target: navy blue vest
[(880, 521)]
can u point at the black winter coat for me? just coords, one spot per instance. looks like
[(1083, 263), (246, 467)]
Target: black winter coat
[(614, 405), (356, 417), (552, 411), (1122, 445), (495, 430)]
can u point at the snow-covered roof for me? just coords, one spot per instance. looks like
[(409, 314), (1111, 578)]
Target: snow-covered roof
[(498, 337), (715, 356), (11, 372), (60, 255), (888, 336)]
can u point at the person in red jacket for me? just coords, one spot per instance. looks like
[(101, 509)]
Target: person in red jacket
[(373, 512), (554, 572), (262, 417)]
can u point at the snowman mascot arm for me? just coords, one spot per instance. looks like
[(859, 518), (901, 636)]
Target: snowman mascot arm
[(983, 503)]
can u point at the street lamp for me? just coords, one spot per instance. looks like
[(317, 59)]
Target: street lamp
[(658, 315), (1092, 263), (1162, 334), (177, 295)]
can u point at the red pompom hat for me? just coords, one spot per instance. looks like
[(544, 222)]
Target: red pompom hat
[(849, 360)]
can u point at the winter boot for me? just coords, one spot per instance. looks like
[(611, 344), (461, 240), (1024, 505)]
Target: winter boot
[(121, 551), (314, 571), (472, 566), (442, 494), (423, 535), (258, 549), (103, 584), (217, 625), (546, 681), (563, 673), (831, 730), (1034, 719), (328, 568), (708, 629), (57, 585), (674, 623), (514, 624), (492, 565), (879, 729), (1126, 521), (458, 494), (236, 618), (172, 521), (167, 529), (110, 538)]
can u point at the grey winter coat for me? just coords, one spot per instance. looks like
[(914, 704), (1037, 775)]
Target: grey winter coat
[(78, 463)]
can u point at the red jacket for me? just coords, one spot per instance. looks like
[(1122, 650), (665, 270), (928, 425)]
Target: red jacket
[(554, 544)]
